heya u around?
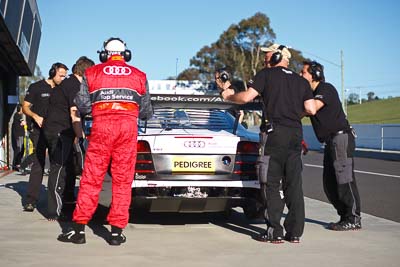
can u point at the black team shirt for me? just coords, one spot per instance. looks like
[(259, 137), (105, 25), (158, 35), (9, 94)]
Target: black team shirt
[(283, 92), (58, 119), (330, 118), (38, 95)]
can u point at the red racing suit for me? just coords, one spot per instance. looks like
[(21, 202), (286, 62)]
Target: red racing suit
[(113, 91)]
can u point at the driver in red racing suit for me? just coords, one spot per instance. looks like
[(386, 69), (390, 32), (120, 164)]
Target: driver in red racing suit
[(115, 93)]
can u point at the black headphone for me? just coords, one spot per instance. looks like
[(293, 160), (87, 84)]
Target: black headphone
[(317, 71), (277, 56), (53, 70), (224, 75), (103, 54)]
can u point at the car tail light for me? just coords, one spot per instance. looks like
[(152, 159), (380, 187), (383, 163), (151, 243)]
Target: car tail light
[(246, 147), (246, 157), (144, 160), (143, 147)]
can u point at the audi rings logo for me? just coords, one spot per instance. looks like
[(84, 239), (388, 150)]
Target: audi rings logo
[(194, 144), (117, 70)]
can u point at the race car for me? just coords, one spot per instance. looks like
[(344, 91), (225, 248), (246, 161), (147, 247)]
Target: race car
[(195, 156)]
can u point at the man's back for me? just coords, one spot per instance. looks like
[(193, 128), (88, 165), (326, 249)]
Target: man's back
[(284, 93), (115, 87)]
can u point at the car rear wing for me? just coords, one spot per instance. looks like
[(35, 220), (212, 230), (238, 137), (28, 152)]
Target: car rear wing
[(200, 102)]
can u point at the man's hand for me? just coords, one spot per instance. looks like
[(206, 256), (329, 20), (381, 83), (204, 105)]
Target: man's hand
[(38, 120)]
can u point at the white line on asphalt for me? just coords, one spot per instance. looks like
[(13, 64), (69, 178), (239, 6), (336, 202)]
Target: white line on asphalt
[(373, 173)]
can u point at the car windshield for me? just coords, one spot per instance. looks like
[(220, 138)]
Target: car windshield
[(170, 118)]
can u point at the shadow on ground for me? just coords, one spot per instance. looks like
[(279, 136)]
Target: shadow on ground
[(234, 221)]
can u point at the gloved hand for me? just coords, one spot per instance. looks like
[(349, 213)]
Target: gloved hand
[(304, 147)]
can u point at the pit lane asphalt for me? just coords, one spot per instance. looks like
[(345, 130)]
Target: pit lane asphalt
[(378, 183), (28, 239)]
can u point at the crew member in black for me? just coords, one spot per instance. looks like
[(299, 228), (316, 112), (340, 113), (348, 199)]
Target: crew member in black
[(286, 96), (60, 139), (17, 138), (35, 105), (222, 77), (332, 128)]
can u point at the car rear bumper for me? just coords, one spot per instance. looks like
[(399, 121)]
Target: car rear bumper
[(163, 183), (189, 205), (189, 199)]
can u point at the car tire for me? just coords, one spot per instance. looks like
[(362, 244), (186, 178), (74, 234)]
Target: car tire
[(227, 213)]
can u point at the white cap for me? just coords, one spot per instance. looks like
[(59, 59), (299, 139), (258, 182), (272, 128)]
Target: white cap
[(115, 46), (275, 48)]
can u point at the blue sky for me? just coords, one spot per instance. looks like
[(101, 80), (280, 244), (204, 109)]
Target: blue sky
[(160, 32)]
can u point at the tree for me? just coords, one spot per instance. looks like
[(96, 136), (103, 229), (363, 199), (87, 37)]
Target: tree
[(353, 99), (189, 74), (371, 96), (25, 81), (238, 49)]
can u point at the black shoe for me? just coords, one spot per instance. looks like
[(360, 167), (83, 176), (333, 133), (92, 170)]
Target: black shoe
[(72, 237), (29, 207), (116, 239), (345, 226), (342, 219), (292, 239), (265, 237)]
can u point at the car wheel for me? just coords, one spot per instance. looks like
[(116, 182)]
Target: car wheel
[(227, 213)]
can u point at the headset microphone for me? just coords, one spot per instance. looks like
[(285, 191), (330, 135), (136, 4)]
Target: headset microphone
[(277, 56), (224, 75)]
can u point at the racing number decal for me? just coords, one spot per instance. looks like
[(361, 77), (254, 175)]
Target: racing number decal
[(192, 164)]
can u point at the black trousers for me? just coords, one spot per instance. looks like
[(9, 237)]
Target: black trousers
[(38, 162), (338, 176), (17, 143), (284, 173), (61, 182)]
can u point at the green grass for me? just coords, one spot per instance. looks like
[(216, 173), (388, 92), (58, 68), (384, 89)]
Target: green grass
[(385, 111)]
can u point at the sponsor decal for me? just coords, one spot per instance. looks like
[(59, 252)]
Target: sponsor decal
[(194, 144), (287, 71), (45, 95), (210, 99), (140, 176), (193, 164), (117, 70), (117, 94), (113, 95)]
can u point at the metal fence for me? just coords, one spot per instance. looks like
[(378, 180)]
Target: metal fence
[(381, 137)]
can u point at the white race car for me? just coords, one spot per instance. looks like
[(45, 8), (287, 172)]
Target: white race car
[(194, 156)]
